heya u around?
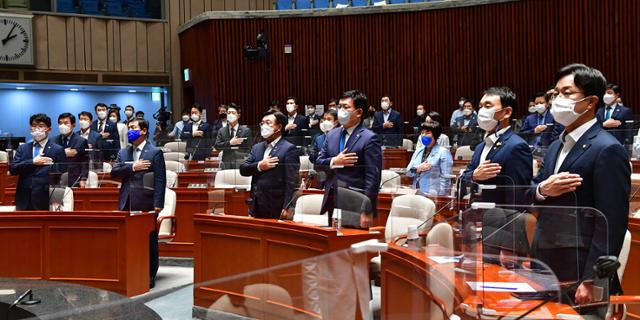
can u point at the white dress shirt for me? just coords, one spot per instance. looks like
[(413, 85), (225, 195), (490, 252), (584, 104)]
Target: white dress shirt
[(346, 139), (85, 134), (385, 115), (292, 119), (489, 141), (137, 151), (569, 140), (268, 149)]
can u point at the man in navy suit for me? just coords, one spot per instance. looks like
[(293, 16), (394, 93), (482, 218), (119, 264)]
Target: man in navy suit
[(132, 164), (196, 134), (586, 168), (108, 132), (465, 127), (94, 141), (539, 126), (34, 162), (387, 123), (297, 125), (614, 116), (503, 158), (351, 156), (274, 166), (75, 149)]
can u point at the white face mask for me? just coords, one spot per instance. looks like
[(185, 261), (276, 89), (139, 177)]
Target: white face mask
[(113, 119), (540, 108), (195, 117), (461, 103), (608, 99), (384, 105), (563, 110), (128, 113), (64, 129), (102, 115), (291, 108), (344, 116), (84, 124), (38, 135), (420, 112), (485, 119), (185, 118), (326, 125), (467, 112), (232, 117), (266, 131), (532, 109)]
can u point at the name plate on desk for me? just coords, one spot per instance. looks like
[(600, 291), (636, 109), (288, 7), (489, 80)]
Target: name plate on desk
[(210, 170), (197, 186)]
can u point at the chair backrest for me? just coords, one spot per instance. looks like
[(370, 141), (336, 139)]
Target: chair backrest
[(61, 199), (263, 292), (176, 146), (441, 234), (4, 156), (442, 287), (407, 210), (172, 179), (308, 210), (169, 210), (536, 167), (463, 153), (174, 166), (407, 144), (624, 254), (92, 180), (305, 163), (122, 131), (174, 156), (389, 180), (148, 180), (231, 178), (106, 167)]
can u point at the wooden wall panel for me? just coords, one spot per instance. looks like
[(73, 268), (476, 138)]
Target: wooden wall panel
[(40, 49), (128, 44), (99, 48), (79, 45), (142, 52), (57, 29), (155, 46), (429, 57)]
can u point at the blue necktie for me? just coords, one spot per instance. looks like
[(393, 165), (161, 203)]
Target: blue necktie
[(608, 114), (343, 137), (36, 149)]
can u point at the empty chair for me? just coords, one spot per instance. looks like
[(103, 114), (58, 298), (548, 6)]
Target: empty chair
[(167, 218), (284, 5), (175, 166), (92, 180), (463, 153), (176, 146), (305, 163), (321, 4), (174, 156), (407, 210), (441, 234), (106, 167), (407, 144), (230, 179), (172, 179), (359, 3), (304, 4), (308, 210), (624, 254), (60, 199), (4, 156), (389, 181)]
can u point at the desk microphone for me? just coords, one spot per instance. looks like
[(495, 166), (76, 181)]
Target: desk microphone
[(385, 181), (26, 294)]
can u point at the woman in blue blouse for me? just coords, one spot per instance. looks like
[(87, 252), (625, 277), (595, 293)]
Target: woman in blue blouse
[(431, 164)]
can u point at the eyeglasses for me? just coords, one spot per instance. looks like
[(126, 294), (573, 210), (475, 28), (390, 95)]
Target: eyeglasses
[(566, 94)]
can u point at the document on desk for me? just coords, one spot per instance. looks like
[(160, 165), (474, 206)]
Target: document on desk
[(500, 286), (445, 259)]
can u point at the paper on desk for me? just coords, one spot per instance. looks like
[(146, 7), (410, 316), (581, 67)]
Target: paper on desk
[(445, 259), (500, 286)]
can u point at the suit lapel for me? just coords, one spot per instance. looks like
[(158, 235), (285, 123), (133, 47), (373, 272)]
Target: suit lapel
[(579, 148), (498, 145), (353, 139)]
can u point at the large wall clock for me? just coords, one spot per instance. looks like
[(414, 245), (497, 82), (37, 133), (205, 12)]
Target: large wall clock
[(16, 39)]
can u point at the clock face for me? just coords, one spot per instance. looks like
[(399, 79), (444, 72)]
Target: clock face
[(15, 41)]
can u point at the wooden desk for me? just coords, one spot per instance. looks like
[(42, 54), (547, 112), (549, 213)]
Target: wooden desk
[(103, 250), (631, 278), (636, 165), (196, 177), (226, 246), (409, 278), (395, 158)]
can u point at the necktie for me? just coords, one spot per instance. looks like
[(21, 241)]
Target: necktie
[(343, 138), (136, 154), (36, 149), (540, 120), (101, 128), (65, 141), (233, 132), (608, 114)]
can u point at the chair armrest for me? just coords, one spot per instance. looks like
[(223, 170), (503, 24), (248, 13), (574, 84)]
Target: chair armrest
[(624, 300), (173, 227), (380, 229)]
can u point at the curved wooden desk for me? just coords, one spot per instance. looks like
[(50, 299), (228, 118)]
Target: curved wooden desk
[(406, 275), (231, 245)]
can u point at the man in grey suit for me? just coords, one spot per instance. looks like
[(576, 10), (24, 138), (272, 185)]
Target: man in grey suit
[(233, 140)]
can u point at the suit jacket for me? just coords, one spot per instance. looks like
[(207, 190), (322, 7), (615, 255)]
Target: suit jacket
[(78, 168), (390, 136), (231, 155), (32, 191), (112, 144), (363, 177), (314, 130), (604, 167), (623, 114), (198, 148), (472, 138), (297, 135), (316, 146), (133, 195), (272, 190), (94, 141), (547, 136), (514, 156)]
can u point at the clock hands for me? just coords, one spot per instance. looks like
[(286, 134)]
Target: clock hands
[(9, 35)]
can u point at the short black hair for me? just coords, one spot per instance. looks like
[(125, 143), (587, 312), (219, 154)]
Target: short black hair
[(186, 111), (100, 104), (40, 118), (540, 94), (281, 119), (235, 106), (468, 100), (197, 106), (130, 107), (142, 123), (86, 114), (435, 116), (388, 96), (334, 100), (295, 100), (274, 102), (139, 112), (434, 128), (614, 87), (507, 97), (590, 80), (359, 99), (222, 105), (71, 117), (332, 112)]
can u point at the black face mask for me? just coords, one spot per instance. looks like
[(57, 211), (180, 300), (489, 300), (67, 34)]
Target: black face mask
[(372, 113)]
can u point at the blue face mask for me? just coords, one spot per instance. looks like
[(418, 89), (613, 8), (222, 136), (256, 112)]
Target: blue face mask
[(426, 140), (133, 135)]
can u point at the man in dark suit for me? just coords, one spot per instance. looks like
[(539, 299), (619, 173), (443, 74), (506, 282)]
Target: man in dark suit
[(75, 148), (94, 141), (297, 126), (196, 134), (34, 162), (220, 122), (351, 156), (388, 123), (539, 128), (614, 116), (313, 121), (131, 166), (586, 168), (233, 140), (465, 127), (108, 132), (274, 166), (503, 158)]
